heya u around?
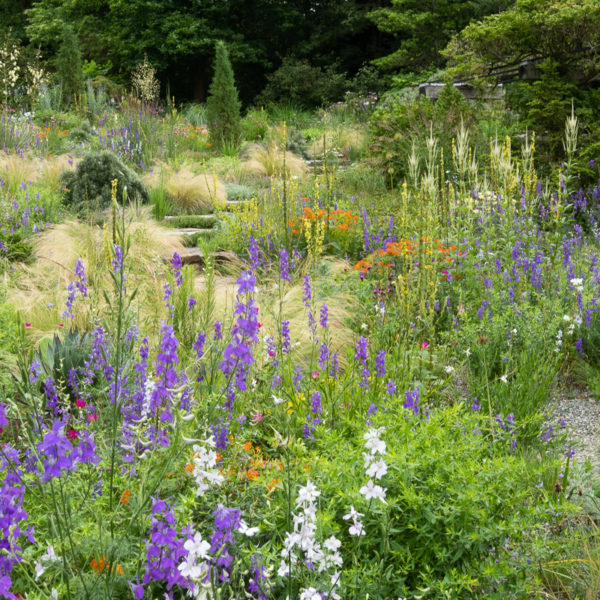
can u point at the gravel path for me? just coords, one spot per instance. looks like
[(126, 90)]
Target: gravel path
[(578, 409)]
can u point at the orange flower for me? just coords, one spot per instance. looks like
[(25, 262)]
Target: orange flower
[(273, 483), (252, 474), (120, 569), (189, 468), (125, 497), (99, 565), (248, 446)]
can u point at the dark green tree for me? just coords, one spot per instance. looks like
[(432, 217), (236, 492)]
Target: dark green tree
[(424, 27), (223, 106), (68, 66), (559, 41)]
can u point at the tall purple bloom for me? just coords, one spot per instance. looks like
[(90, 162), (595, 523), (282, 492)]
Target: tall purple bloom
[(324, 313), (177, 266), (284, 265), (285, 337), (380, 364)]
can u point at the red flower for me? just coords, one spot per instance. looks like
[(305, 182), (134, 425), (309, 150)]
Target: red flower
[(72, 434)]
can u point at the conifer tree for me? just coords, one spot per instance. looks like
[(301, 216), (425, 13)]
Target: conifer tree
[(68, 66), (223, 106)]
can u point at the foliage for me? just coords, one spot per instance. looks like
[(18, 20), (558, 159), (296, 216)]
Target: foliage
[(563, 34), (68, 65), (303, 85), (89, 186), (423, 29), (222, 106)]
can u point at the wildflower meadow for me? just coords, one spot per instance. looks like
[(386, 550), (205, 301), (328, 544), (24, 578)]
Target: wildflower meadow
[(281, 353)]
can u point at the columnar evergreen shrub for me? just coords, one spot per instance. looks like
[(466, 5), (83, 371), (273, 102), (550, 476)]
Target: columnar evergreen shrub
[(68, 66), (90, 185), (223, 106)]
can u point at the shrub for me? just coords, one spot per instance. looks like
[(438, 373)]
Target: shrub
[(90, 185), (68, 66), (303, 85), (237, 191), (145, 83), (223, 105)]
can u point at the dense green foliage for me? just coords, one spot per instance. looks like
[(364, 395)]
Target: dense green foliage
[(89, 186), (223, 106), (68, 66)]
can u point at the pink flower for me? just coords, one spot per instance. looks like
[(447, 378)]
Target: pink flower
[(27, 324), (92, 417), (257, 417), (72, 434), (315, 374), (424, 344), (80, 403), (61, 325)]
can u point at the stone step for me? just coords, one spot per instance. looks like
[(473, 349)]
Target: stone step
[(195, 256), (190, 231)]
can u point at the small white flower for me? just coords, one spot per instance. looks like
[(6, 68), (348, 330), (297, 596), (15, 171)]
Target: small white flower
[(277, 400), (332, 543), (504, 379), (50, 555), (353, 514), (356, 529), (468, 352), (310, 594), (307, 494), (377, 469), (449, 369), (373, 491), (248, 531), (364, 326), (54, 594), (197, 547), (39, 569)]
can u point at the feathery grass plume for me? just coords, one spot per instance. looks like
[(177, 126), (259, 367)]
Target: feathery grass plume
[(40, 290), (227, 168), (50, 169), (194, 192), (268, 160), (341, 307), (15, 169), (350, 142)]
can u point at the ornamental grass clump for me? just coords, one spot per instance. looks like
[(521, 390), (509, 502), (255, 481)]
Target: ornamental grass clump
[(192, 192)]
